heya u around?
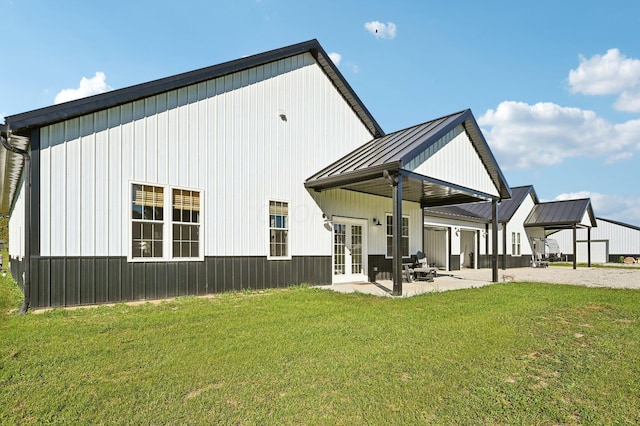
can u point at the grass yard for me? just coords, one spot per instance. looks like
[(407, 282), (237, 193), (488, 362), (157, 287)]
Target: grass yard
[(508, 353)]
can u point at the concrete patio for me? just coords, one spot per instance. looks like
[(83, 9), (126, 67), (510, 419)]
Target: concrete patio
[(449, 280), (613, 276)]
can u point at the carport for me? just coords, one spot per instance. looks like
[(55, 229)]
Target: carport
[(441, 162), (567, 214)]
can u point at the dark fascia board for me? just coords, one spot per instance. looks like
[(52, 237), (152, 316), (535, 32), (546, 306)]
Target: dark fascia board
[(52, 114), (467, 216), (355, 176)]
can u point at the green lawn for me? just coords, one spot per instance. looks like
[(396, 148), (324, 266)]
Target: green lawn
[(508, 353)]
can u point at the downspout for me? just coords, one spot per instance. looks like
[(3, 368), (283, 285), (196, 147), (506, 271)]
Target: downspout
[(27, 224)]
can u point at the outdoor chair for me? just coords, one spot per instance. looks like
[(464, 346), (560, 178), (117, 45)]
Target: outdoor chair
[(421, 271)]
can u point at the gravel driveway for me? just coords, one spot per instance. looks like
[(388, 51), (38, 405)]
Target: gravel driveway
[(614, 276)]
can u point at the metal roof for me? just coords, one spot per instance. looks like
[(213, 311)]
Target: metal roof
[(561, 214), (20, 123), (364, 168), (11, 165), (481, 211)]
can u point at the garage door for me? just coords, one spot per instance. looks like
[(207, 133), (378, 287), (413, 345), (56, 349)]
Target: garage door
[(599, 251)]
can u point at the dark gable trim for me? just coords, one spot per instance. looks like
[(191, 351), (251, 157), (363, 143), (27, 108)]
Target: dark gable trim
[(21, 123)]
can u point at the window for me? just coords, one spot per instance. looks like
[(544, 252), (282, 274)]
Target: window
[(278, 229), (147, 218), (515, 244), (404, 240), (152, 228), (186, 223)]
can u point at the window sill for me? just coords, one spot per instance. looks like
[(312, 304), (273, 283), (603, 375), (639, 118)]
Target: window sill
[(279, 258), (164, 260)]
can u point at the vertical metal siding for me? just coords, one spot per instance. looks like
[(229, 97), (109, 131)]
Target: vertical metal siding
[(622, 240), (224, 136), (471, 174)]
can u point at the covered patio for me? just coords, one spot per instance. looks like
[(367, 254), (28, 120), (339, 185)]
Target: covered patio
[(440, 162)]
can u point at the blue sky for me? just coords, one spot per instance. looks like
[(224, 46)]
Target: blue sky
[(555, 85)]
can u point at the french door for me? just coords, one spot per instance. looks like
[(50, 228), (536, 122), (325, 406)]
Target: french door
[(349, 250)]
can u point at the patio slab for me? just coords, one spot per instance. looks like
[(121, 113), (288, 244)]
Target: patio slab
[(613, 276), (443, 282)]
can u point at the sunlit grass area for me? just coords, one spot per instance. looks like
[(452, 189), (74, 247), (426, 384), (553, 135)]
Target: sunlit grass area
[(514, 353)]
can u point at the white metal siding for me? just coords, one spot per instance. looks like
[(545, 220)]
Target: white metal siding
[(622, 239), (223, 136), (599, 251), (351, 204), (458, 162), (516, 224)]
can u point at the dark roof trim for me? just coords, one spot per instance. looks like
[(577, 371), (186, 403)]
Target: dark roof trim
[(355, 176), (21, 123)]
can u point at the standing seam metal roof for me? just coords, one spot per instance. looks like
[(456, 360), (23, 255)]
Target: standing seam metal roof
[(560, 214), (394, 150)]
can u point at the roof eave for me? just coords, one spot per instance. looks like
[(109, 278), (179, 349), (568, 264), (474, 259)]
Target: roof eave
[(348, 178), (21, 123)]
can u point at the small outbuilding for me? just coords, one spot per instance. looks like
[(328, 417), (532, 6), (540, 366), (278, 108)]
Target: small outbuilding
[(611, 241), (459, 236)]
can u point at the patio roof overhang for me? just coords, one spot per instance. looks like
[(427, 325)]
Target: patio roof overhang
[(377, 180), (394, 166)]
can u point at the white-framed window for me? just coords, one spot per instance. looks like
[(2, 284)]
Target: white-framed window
[(185, 204), (147, 221), (515, 244), (404, 236), (279, 230), (165, 223)]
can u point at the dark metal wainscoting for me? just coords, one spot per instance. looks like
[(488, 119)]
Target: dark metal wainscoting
[(94, 280)]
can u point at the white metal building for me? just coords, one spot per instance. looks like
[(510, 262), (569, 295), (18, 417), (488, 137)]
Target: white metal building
[(609, 241), (459, 236), (199, 183)]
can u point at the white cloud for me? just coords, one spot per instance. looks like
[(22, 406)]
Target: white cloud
[(544, 134), (609, 74), (615, 207), (336, 58), (381, 30), (88, 87), (355, 69)]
